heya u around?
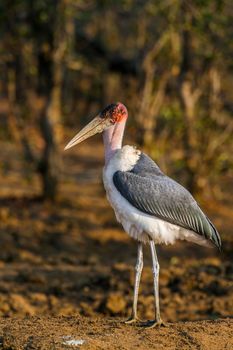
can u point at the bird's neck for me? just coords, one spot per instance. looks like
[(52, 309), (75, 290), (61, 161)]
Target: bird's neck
[(113, 138)]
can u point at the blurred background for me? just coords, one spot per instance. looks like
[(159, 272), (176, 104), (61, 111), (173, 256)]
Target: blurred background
[(61, 62)]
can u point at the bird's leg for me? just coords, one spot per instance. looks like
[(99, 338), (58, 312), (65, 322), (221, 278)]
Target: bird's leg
[(155, 269), (138, 271)]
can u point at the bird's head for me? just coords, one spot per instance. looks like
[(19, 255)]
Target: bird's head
[(109, 116)]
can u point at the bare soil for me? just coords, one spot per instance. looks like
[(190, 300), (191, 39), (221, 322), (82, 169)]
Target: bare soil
[(49, 333), (67, 269)]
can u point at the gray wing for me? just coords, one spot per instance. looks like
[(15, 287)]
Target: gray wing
[(153, 193)]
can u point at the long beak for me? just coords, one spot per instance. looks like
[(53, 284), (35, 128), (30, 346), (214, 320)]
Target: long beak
[(97, 125)]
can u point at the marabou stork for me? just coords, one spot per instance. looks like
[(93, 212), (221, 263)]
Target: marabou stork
[(151, 207)]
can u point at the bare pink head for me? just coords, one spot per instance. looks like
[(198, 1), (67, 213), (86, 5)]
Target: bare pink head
[(115, 112), (111, 120)]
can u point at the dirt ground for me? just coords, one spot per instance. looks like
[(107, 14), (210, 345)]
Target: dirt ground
[(67, 270), (49, 333)]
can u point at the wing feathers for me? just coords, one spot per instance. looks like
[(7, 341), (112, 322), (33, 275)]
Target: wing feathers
[(158, 195)]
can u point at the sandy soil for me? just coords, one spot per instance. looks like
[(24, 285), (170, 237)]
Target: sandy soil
[(72, 259), (85, 333)]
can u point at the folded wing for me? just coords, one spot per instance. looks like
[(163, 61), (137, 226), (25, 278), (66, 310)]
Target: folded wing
[(153, 193)]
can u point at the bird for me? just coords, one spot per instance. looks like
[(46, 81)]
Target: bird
[(152, 208)]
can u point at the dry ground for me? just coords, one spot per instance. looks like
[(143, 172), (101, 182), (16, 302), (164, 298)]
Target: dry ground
[(90, 333), (63, 266)]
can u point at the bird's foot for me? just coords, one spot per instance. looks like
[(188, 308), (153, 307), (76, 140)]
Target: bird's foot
[(132, 319), (153, 324)]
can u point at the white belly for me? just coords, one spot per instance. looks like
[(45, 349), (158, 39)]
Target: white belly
[(137, 224)]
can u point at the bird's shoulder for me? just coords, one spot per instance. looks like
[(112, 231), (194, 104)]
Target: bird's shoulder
[(148, 174), (145, 166)]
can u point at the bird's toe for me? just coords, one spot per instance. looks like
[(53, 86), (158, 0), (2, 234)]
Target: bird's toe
[(132, 319)]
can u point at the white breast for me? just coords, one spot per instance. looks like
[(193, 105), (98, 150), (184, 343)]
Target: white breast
[(137, 224)]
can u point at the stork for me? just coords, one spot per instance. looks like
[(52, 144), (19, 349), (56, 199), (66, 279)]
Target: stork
[(151, 207)]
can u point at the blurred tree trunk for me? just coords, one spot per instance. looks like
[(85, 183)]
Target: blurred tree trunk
[(49, 164), (15, 122), (50, 115)]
